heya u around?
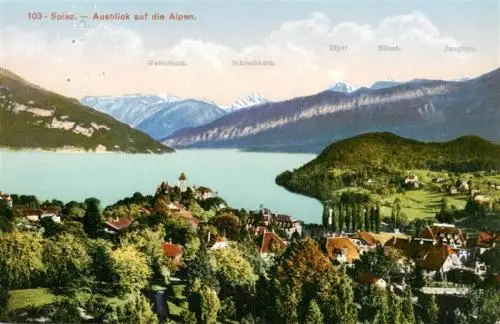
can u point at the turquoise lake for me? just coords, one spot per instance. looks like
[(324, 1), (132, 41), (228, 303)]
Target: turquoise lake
[(243, 179)]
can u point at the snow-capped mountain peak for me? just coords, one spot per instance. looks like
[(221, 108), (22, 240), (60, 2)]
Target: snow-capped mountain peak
[(253, 99), (342, 86), (168, 97)]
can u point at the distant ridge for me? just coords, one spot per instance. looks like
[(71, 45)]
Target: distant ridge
[(387, 153), (34, 118)]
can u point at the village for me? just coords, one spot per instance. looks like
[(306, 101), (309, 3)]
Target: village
[(442, 262)]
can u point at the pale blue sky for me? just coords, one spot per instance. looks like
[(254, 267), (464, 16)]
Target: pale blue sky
[(232, 28)]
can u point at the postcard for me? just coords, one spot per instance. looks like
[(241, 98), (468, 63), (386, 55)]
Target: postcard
[(251, 161)]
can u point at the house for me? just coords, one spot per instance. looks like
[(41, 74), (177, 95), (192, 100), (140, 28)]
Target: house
[(173, 251), (342, 249), (446, 234), (483, 200), (410, 247), (485, 241), (52, 212), (285, 222), (31, 214), (411, 181), (174, 207), (368, 278), (453, 190), (364, 241), (178, 210), (463, 186), (37, 214), (271, 243), (203, 193), (220, 243), (116, 225), (368, 239), (438, 258), (6, 198)]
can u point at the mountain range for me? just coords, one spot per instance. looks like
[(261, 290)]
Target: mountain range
[(161, 115), (32, 117), (428, 110)]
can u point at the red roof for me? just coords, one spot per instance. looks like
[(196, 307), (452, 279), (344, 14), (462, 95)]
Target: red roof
[(119, 224), (433, 257), (271, 239), (485, 239), (368, 238), (335, 245), (171, 250)]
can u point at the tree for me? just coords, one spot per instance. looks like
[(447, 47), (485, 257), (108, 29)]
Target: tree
[(492, 259), (138, 310), (314, 315), (200, 213), (326, 215), (93, 220), (147, 242), (300, 272), (188, 317), (407, 307), (67, 262), (377, 219), (101, 266), (200, 268), (338, 300), (397, 206), (228, 224), (129, 269), (232, 269), (482, 307), (380, 306), (65, 310), (395, 314), (4, 301), (341, 217), (50, 228), (21, 262), (6, 218), (367, 222), (204, 302), (431, 309)]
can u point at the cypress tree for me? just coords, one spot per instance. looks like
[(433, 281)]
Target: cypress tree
[(395, 315), (314, 315), (377, 219), (366, 215), (325, 215), (92, 221), (407, 307)]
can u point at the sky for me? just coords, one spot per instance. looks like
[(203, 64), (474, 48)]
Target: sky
[(228, 49)]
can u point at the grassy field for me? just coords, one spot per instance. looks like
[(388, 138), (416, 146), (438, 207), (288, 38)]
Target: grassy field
[(22, 298), (421, 203)]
